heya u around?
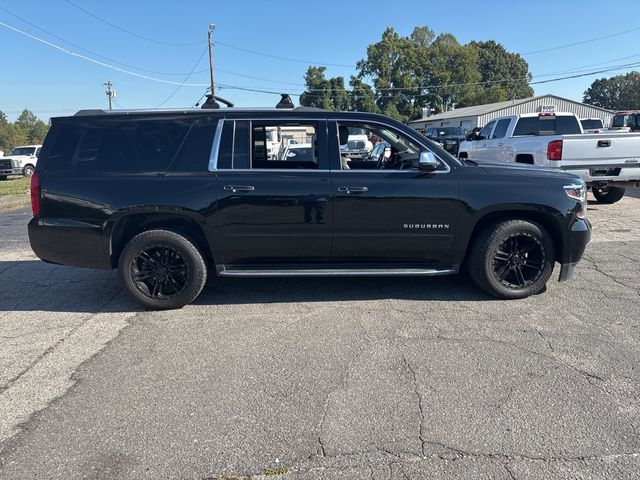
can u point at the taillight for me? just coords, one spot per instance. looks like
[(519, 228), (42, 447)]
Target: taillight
[(35, 194), (554, 150)]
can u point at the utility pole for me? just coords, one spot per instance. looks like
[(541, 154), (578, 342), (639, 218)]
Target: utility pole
[(111, 93), (212, 27)]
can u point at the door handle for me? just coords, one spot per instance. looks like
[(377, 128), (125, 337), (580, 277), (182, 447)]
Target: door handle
[(604, 143), (353, 189), (239, 188)]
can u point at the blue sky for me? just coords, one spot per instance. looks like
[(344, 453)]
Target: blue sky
[(45, 80)]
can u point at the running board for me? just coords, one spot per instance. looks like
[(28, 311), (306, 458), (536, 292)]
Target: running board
[(326, 272)]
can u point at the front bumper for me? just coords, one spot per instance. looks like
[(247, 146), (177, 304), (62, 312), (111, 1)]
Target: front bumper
[(579, 238), (11, 171)]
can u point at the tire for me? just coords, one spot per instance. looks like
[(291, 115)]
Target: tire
[(608, 194), (170, 270), (28, 170), (3, 177), (512, 259)]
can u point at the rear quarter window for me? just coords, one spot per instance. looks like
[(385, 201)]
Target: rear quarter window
[(131, 146)]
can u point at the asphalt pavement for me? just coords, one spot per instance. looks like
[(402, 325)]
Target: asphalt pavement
[(350, 378)]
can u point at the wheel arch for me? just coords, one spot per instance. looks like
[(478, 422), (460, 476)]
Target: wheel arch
[(547, 218), (126, 224)]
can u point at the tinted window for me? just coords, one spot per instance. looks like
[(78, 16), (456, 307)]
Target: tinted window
[(131, 146), (527, 126), (547, 125), (591, 124), (486, 131), (23, 151), (501, 128)]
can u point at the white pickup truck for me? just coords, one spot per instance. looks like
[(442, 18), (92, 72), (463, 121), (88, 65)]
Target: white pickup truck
[(608, 162), (21, 161)]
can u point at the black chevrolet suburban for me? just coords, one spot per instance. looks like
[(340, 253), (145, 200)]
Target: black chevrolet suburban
[(170, 197)]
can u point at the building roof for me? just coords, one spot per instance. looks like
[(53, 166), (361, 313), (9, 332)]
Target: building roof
[(494, 107)]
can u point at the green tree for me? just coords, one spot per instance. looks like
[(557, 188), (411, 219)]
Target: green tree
[(321, 92), (31, 127), (391, 64), (503, 75), (621, 92), (10, 136), (362, 98)]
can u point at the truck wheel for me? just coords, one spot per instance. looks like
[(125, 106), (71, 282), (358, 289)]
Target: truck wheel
[(162, 269), (608, 194), (3, 177), (512, 259), (28, 170)]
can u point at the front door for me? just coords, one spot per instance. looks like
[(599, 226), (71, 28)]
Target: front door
[(273, 210), (392, 213)]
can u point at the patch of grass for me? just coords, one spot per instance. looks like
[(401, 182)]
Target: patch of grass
[(272, 472), (15, 185)]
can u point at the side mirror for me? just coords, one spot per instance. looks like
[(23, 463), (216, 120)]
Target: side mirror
[(428, 161)]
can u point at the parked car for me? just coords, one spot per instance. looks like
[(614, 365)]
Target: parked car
[(449, 137), (608, 163), (172, 197), (20, 161), (591, 125), (626, 121)]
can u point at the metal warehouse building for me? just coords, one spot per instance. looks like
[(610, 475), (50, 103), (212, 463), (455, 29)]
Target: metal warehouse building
[(480, 115)]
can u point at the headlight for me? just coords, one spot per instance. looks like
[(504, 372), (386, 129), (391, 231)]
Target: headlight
[(578, 191)]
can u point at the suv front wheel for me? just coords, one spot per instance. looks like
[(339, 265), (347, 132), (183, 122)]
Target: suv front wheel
[(162, 269), (512, 259)]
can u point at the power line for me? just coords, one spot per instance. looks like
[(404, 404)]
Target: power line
[(98, 62), (117, 27), (259, 90), (185, 80), (234, 47), (140, 68), (288, 59), (574, 44)]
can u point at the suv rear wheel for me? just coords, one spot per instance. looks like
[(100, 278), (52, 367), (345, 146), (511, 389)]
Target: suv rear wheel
[(608, 194), (512, 259), (162, 269)]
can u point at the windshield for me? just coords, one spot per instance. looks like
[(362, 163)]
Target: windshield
[(23, 151), (451, 131)]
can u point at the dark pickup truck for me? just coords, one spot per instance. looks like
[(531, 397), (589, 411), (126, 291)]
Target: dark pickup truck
[(169, 197)]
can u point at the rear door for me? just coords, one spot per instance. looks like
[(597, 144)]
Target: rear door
[(272, 211)]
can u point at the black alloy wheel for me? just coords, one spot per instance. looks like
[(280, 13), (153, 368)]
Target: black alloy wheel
[(512, 259), (162, 269), (158, 271), (519, 261)]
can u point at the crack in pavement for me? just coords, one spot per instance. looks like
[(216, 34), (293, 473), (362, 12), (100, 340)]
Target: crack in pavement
[(416, 391)]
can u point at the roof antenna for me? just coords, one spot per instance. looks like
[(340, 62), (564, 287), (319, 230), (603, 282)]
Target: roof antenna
[(285, 101)]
